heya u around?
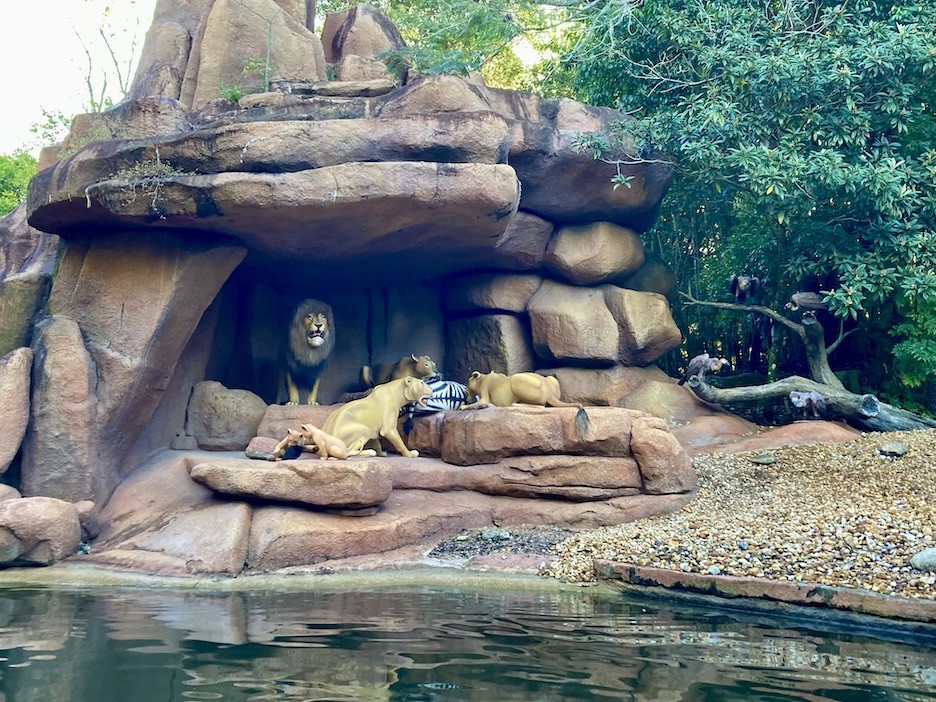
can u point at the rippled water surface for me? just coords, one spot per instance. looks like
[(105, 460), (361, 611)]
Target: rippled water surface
[(428, 643)]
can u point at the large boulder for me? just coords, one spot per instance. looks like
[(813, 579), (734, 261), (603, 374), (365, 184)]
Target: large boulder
[(37, 531), (646, 325), (573, 324), (473, 293), (487, 342), (15, 370), (221, 419), (362, 31), (587, 254)]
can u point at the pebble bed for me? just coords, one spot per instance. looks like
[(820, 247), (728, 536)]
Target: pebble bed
[(837, 514)]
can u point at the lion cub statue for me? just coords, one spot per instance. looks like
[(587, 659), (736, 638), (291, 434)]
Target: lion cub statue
[(310, 437), (413, 365), (311, 341), (360, 424), (520, 388)]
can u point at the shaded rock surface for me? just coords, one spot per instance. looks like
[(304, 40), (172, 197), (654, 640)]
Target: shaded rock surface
[(37, 530)]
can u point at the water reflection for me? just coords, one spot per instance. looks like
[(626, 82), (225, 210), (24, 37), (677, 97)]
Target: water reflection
[(426, 644)]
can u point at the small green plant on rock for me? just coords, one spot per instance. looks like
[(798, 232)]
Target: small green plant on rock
[(231, 93), (144, 176)]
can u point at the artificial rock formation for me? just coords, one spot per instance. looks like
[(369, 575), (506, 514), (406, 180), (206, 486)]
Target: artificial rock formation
[(436, 215)]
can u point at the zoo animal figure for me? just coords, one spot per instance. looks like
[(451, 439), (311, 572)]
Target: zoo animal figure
[(309, 437), (811, 404), (362, 423), (446, 395), (743, 287), (810, 302), (701, 364), (520, 388), (311, 340), (413, 365)]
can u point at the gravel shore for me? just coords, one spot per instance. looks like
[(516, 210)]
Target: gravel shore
[(838, 514)]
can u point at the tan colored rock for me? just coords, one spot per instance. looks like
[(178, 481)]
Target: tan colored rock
[(159, 521), (647, 329), (542, 133), (798, 433), (604, 386), (523, 243), (8, 492), (473, 437), (25, 249), (353, 67), (15, 372), (662, 397), (497, 342), (713, 432), (88, 519), (586, 254), (346, 87), (572, 324), (22, 298), (364, 30), (270, 99), (352, 484), (128, 307), (236, 31), (576, 478), (38, 530), (371, 211), (162, 63), (472, 293), (222, 419), (279, 419), (652, 276), (664, 465), (60, 455)]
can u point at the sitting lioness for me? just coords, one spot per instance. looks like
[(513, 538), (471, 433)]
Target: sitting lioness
[(520, 388), (416, 366), (362, 423)]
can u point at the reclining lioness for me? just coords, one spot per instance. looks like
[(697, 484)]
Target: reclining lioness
[(520, 388), (360, 424)]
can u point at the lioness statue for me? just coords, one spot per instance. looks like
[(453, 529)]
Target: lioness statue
[(362, 423), (412, 366), (311, 340), (520, 388)]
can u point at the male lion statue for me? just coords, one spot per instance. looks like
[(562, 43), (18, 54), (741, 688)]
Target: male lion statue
[(311, 340), (360, 424), (520, 388)]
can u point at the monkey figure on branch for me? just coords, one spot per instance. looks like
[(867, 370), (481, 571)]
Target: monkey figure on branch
[(744, 287), (701, 364), (812, 404)]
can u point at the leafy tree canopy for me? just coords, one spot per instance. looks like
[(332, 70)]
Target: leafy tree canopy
[(15, 172), (805, 138)]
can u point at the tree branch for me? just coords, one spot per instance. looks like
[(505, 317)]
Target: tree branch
[(759, 309)]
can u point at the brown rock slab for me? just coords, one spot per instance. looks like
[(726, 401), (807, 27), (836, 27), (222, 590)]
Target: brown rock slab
[(604, 386), (363, 30), (221, 419), (488, 342), (647, 329), (664, 465), (677, 404), (162, 522), (795, 434), (587, 254), (574, 478), (279, 419), (351, 484), (37, 530), (523, 244), (474, 437), (713, 432), (15, 372), (573, 324), (473, 293)]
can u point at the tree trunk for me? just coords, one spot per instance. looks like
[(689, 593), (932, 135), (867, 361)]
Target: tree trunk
[(816, 354), (866, 411)]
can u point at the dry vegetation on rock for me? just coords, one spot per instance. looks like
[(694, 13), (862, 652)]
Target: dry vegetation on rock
[(836, 514)]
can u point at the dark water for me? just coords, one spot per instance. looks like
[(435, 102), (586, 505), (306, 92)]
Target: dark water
[(429, 643)]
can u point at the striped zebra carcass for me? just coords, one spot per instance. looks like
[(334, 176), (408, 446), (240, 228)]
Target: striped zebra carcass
[(446, 395)]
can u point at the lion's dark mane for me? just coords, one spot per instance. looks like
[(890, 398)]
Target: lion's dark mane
[(305, 363)]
